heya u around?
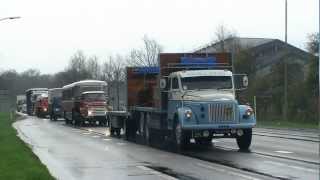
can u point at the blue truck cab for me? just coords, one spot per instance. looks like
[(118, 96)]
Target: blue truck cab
[(202, 104)]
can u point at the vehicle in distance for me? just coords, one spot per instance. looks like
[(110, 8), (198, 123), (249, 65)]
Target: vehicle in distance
[(42, 106), (31, 97), (21, 100), (54, 100), (190, 96), (84, 102)]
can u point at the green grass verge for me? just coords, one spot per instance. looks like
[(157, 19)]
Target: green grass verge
[(287, 124), (17, 161)]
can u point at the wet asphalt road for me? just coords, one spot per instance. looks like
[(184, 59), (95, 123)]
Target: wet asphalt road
[(89, 153)]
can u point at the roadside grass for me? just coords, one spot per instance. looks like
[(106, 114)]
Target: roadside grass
[(17, 161), (287, 124)]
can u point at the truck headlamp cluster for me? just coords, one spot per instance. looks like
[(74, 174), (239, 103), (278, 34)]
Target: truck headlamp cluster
[(45, 109), (248, 113), (188, 114), (90, 113)]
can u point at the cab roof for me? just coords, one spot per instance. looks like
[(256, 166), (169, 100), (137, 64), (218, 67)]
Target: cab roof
[(196, 73), (37, 89), (85, 82)]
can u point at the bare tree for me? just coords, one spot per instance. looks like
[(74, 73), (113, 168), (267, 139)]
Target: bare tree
[(222, 35), (114, 75), (77, 69), (113, 69), (147, 55), (313, 43), (93, 67)]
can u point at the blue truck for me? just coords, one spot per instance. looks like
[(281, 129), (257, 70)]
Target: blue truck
[(55, 105), (189, 96)]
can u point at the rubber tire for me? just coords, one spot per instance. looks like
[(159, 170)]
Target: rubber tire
[(244, 141), (147, 131), (73, 119), (118, 132), (125, 129), (65, 117), (183, 138), (112, 129)]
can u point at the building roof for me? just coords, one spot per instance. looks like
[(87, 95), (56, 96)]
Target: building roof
[(242, 42)]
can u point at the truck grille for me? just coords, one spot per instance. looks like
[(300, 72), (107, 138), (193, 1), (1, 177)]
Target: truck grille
[(98, 111), (221, 113)]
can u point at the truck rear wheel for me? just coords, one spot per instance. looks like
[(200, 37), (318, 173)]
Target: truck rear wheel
[(244, 141), (147, 131), (65, 117)]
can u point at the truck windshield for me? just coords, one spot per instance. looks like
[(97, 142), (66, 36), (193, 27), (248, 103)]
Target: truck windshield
[(94, 97), (206, 82)]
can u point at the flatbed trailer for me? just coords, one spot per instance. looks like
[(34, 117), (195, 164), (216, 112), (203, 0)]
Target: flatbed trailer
[(188, 96)]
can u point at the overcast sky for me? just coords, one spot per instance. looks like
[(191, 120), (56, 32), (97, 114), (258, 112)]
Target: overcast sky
[(49, 32)]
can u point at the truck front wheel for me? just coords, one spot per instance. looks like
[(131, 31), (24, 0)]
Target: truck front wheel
[(180, 137), (244, 141)]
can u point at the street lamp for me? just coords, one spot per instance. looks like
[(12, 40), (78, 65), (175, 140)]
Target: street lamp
[(9, 18)]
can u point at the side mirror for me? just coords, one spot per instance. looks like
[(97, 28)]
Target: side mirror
[(241, 81), (245, 81), (163, 83)]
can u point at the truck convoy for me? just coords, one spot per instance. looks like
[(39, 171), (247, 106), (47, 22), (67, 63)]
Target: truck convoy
[(84, 102), (189, 96), (31, 97), (54, 100)]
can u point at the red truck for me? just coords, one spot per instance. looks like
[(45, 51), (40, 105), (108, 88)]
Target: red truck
[(42, 106)]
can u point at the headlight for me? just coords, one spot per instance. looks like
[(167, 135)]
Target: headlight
[(90, 113), (45, 109), (248, 113), (188, 114)]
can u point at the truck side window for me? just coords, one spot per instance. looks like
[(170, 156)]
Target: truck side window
[(175, 83)]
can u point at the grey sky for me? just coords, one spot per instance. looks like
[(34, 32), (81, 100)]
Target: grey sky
[(49, 32)]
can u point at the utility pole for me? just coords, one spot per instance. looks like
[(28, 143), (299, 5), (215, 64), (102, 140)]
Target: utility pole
[(319, 77), (285, 106)]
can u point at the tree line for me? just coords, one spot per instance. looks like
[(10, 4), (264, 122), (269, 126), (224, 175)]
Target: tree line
[(80, 67)]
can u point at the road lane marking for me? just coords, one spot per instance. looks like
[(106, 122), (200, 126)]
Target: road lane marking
[(225, 171), (291, 166), (157, 173), (214, 141), (121, 144), (86, 133), (95, 136), (284, 152), (106, 139)]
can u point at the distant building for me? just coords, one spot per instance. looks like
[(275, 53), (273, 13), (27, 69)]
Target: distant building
[(266, 52)]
